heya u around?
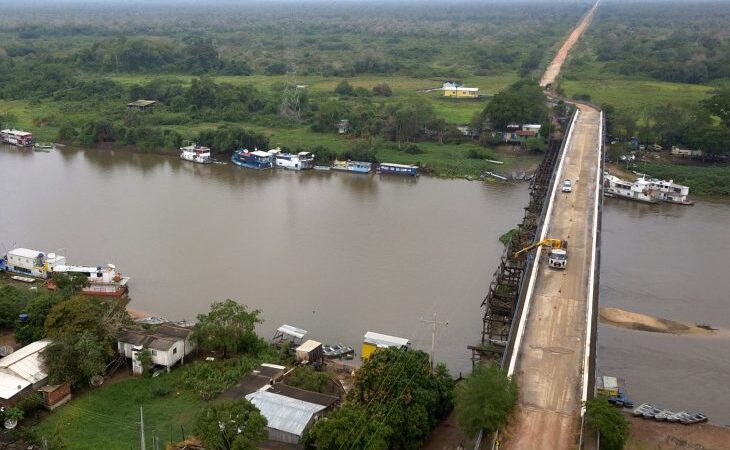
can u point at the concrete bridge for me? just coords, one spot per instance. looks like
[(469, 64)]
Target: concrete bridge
[(553, 344), (544, 319)]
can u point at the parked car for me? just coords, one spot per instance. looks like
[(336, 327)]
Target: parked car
[(567, 186)]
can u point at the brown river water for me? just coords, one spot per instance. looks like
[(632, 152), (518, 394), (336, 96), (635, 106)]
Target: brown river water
[(669, 261), (341, 254), (334, 253)]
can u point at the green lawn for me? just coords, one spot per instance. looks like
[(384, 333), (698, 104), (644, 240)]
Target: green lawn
[(108, 418), (635, 95)]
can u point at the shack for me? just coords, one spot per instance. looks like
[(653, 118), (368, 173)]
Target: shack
[(309, 352), (22, 372), (263, 376), (287, 418), (373, 341), (290, 334), (141, 105)]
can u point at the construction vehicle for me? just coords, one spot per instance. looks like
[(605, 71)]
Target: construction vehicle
[(558, 256)]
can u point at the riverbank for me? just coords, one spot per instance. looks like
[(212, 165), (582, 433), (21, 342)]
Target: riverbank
[(650, 434), (464, 160), (645, 322), (704, 180)]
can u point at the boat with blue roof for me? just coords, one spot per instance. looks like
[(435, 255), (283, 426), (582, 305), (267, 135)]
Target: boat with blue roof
[(253, 159), (398, 169)]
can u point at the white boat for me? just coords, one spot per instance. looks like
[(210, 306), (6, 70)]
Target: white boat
[(43, 147), (300, 161), (644, 189), (19, 138), (103, 281), (196, 153)]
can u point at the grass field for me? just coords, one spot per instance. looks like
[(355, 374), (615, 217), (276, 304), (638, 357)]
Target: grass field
[(635, 95), (108, 418)]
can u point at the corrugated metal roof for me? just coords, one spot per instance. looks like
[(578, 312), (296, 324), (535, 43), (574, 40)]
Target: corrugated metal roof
[(283, 413), (11, 385), (292, 331), (26, 362), (383, 340)]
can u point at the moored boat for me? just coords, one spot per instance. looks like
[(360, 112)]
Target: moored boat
[(647, 190), (196, 153), (300, 161), (19, 138), (352, 166), (43, 147), (398, 169), (252, 159), (102, 281)]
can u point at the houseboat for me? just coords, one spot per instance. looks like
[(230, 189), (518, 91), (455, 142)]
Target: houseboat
[(300, 161), (352, 166), (252, 159), (18, 138), (398, 169), (34, 263), (647, 190), (196, 153), (103, 281)]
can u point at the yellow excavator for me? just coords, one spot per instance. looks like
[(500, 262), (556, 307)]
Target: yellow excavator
[(558, 256)]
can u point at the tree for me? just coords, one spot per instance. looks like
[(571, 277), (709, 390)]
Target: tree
[(522, 102), (719, 105), (344, 88), (70, 284), (37, 309), (484, 399), (73, 316), (74, 359), (230, 425), (145, 360), (336, 430), (609, 422), (400, 388), (228, 327), (382, 89)]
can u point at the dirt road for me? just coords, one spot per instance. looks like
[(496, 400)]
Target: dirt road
[(557, 63), (549, 363)]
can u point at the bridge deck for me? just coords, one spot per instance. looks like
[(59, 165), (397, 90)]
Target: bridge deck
[(548, 363)]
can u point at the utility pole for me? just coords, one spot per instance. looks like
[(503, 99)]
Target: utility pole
[(141, 429), (434, 322)]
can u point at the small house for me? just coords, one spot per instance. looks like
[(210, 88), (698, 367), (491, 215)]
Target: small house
[(141, 105), (22, 372), (168, 344), (373, 341), (309, 352), (457, 90), (685, 152)]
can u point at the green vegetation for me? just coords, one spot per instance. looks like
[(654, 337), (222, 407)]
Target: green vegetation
[(660, 73), (396, 400), (484, 399), (74, 359), (228, 327), (307, 378), (609, 422), (225, 78), (230, 425)]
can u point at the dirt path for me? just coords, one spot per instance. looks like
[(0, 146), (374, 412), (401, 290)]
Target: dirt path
[(557, 63)]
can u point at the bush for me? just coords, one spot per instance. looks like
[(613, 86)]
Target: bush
[(344, 88), (382, 89), (484, 399), (413, 149), (609, 422)]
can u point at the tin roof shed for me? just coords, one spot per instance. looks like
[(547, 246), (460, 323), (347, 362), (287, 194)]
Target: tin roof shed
[(383, 340), (284, 413)]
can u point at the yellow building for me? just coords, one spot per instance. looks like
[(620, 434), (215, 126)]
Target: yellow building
[(454, 90), (374, 341)]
